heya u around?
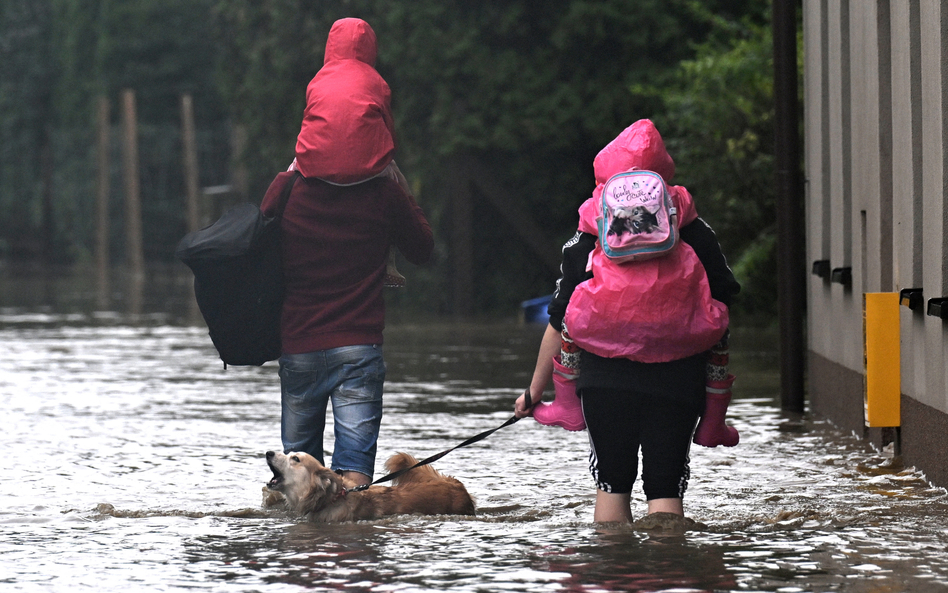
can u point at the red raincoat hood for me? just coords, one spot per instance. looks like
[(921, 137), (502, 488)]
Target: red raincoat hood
[(639, 146), (351, 39), (348, 133)]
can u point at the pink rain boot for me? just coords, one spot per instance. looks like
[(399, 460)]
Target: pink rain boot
[(565, 410), (712, 431)]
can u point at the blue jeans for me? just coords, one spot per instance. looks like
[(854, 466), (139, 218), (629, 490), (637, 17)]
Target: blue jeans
[(351, 377)]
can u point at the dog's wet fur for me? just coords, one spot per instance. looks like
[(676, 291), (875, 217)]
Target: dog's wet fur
[(322, 495)]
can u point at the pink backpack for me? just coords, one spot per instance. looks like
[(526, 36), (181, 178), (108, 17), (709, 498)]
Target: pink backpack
[(639, 220)]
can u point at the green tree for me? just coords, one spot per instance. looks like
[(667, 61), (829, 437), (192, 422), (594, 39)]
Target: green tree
[(717, 119), (26, 79), (529, 90), (56, 57)]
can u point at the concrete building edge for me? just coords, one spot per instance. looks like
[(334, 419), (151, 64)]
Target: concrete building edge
[(836, 394)]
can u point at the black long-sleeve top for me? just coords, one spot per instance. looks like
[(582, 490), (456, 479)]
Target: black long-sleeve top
[(684, 376)]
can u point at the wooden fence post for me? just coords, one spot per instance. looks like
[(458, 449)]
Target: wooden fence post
[(189, 154), (133, 212), (103, 189)]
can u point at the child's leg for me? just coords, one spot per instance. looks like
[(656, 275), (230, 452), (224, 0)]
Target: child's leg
[(719, 360), (712, 431), (614, 422), (392, 278), (666, 505), (569, 351), (566, 410), (666, 443), (612, 507)]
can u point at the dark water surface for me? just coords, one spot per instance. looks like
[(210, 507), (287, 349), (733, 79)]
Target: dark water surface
[(133, 462)]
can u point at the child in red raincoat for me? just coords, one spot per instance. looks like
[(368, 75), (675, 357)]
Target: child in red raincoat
[(348, 133)]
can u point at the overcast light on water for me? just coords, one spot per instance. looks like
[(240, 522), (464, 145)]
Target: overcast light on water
[(134, 462)]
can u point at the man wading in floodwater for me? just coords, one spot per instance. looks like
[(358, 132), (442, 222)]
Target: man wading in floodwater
[(339, 222)]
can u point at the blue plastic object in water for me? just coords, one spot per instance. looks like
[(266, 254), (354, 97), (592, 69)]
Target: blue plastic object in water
[(534, 310)]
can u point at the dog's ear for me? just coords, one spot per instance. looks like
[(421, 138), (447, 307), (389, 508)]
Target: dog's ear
[(322, 491)]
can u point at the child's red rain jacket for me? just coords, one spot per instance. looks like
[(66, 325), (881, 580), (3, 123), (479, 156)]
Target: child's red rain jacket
[(348, 134)]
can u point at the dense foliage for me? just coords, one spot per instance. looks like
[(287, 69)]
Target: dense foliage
[(527, 90), (724, 147)]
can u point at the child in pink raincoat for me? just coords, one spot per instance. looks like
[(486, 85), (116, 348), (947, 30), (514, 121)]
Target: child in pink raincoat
[(642, 331)]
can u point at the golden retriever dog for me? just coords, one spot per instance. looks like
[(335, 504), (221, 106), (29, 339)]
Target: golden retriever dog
[(318, 492)]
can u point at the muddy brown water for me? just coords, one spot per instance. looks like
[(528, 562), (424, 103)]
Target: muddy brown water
[(133, 462)]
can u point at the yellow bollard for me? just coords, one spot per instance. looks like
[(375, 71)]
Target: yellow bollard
[(882, 357)]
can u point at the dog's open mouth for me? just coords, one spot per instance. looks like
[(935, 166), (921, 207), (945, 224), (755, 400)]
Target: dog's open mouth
[(277, 478)]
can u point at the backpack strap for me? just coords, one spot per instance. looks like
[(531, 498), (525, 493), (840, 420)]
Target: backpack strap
[(285, 196)]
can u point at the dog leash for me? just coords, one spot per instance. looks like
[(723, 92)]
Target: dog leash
[(437, 456)]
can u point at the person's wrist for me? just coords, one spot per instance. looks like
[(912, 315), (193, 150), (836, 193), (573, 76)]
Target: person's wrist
[(524, 404), (528, 400)]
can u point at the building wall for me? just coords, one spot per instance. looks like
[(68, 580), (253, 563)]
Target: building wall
[(875, 90)]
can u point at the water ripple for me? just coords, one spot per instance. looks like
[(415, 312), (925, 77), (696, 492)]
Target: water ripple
[(135, 460)]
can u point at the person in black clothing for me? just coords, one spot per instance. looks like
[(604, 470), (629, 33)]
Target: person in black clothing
[(626, 403)]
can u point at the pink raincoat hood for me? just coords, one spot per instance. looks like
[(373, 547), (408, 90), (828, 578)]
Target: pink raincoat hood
[(348, 133), (639, 146)]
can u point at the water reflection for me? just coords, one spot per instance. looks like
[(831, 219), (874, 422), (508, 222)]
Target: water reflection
[(134, 460), (620, 560)]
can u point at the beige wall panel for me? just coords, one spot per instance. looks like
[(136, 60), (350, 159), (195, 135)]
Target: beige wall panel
[(817, 184), (845, 303), (933, 392), (906, 180), (865, 141)]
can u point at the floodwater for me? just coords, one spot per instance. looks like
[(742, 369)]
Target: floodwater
[(133, 462)]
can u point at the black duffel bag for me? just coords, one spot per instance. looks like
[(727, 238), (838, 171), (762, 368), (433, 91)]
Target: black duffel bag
[(238, 281)]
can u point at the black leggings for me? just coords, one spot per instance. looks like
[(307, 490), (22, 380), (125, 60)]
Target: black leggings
[(620, 422)]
